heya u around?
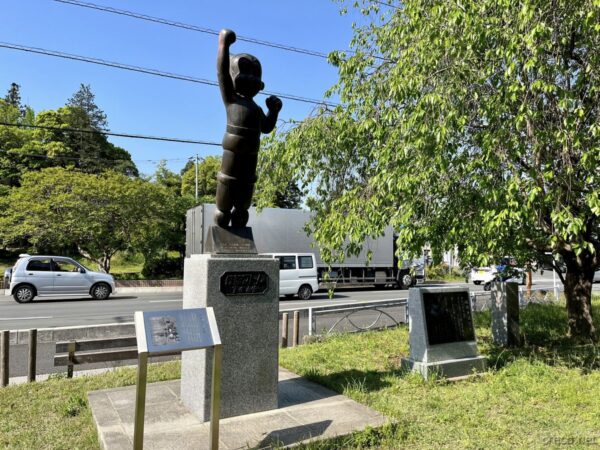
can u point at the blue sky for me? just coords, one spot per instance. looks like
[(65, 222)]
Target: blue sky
[(145, 104)]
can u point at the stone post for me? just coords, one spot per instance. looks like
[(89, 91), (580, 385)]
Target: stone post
[(505, 314)]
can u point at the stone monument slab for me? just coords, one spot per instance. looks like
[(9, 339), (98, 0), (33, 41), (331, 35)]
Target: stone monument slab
[(442, 335), (505, 314), (230, 241), (244, 293)]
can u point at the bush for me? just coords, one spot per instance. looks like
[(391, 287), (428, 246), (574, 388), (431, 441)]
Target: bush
[(163, 266), (443, 272)]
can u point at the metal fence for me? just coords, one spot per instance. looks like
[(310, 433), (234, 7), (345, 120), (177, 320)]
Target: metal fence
[(482, 301), (342, 318)]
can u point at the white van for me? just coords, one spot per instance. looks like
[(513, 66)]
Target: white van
[(297, 274)]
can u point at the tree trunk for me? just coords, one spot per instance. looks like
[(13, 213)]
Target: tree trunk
[(578, 291), (529, 282), (104, 264)]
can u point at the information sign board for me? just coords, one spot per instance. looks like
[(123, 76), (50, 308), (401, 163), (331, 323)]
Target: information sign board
[(448, 317)]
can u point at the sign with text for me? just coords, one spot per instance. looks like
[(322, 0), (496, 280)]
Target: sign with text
[(448, 317), (244, 283), (166, 332)]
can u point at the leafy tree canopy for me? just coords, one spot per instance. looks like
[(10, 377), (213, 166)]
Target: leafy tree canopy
[(26, 149), (99, 214), (86, 112), (207, 180), (469, 123)]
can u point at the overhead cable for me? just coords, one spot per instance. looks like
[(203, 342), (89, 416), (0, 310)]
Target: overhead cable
[(110, 133), (155, 72), (74, 158), (186, 26)]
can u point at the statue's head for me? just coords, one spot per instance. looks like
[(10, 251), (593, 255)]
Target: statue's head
[(246, 74)]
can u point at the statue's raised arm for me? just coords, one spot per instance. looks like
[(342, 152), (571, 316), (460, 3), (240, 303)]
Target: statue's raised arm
[(226, 38)]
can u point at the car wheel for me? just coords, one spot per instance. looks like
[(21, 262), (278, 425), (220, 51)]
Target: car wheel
[(487, 286), (24, 293), (407, 280), (477, 283), (305, 292), (100, 291)]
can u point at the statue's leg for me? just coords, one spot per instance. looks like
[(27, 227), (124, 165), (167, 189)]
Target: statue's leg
[(224, 199), (242, 200)]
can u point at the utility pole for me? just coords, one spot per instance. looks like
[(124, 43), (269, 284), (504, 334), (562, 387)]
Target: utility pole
[(196, 177)]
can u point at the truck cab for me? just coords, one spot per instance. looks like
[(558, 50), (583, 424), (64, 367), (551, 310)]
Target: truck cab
[(297, 274)]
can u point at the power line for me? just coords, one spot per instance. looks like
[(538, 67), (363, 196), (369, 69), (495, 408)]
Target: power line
[(190, 27), (186, 26), (74, 158), (146, 70), (110, 133)]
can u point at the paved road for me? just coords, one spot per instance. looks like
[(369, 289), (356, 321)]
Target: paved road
[(119, 309), (47, 312)]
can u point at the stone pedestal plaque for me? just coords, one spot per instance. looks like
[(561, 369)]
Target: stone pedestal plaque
[(243, 290), (505, 314), (442, 335)]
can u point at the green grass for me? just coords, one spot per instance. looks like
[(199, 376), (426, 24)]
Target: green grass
[(543, 395), (54, 414)]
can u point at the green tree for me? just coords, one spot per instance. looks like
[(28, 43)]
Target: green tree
[(13, 98), (207, 180), (97, 214), (471, 123), (288, 198), (86, 113), (167, 178), (173, 238)]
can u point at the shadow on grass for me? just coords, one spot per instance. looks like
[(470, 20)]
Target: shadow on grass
[(544, 339)]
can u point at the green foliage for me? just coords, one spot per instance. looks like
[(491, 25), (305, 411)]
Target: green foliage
[(167, 178), (476, 125), (444, 272), (99, 214), (207, 180), (27, 149), (163, 266), (83, 102), (13, 98)]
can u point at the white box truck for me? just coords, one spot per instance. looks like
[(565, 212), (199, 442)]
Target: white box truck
[(278, 231)]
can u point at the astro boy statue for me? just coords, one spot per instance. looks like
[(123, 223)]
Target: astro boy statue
[(240, 80)]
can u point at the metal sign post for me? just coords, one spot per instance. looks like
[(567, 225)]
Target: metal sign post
[(161, 333)]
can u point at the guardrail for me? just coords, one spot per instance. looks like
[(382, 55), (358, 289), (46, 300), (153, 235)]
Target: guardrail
[(343, 318)]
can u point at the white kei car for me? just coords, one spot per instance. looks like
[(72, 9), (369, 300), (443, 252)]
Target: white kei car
[(56, 275)]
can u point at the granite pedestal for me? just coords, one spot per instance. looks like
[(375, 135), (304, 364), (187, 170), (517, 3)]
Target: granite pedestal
[(248, 325), (505, 314), (442, 335)]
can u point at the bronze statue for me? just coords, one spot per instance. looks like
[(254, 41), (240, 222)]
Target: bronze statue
[(240, 80)]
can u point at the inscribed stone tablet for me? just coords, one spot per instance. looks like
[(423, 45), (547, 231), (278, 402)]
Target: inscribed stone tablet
[(177, 330), (448, 317), (244, 283)]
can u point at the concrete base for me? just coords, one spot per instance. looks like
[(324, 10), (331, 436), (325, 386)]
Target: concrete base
[(249, 329), (450, 368), (306, 412)]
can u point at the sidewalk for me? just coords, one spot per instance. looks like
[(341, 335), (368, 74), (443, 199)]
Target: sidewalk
[(307, 411)]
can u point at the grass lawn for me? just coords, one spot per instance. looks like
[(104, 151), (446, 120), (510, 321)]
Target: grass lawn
[(544, 395)]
